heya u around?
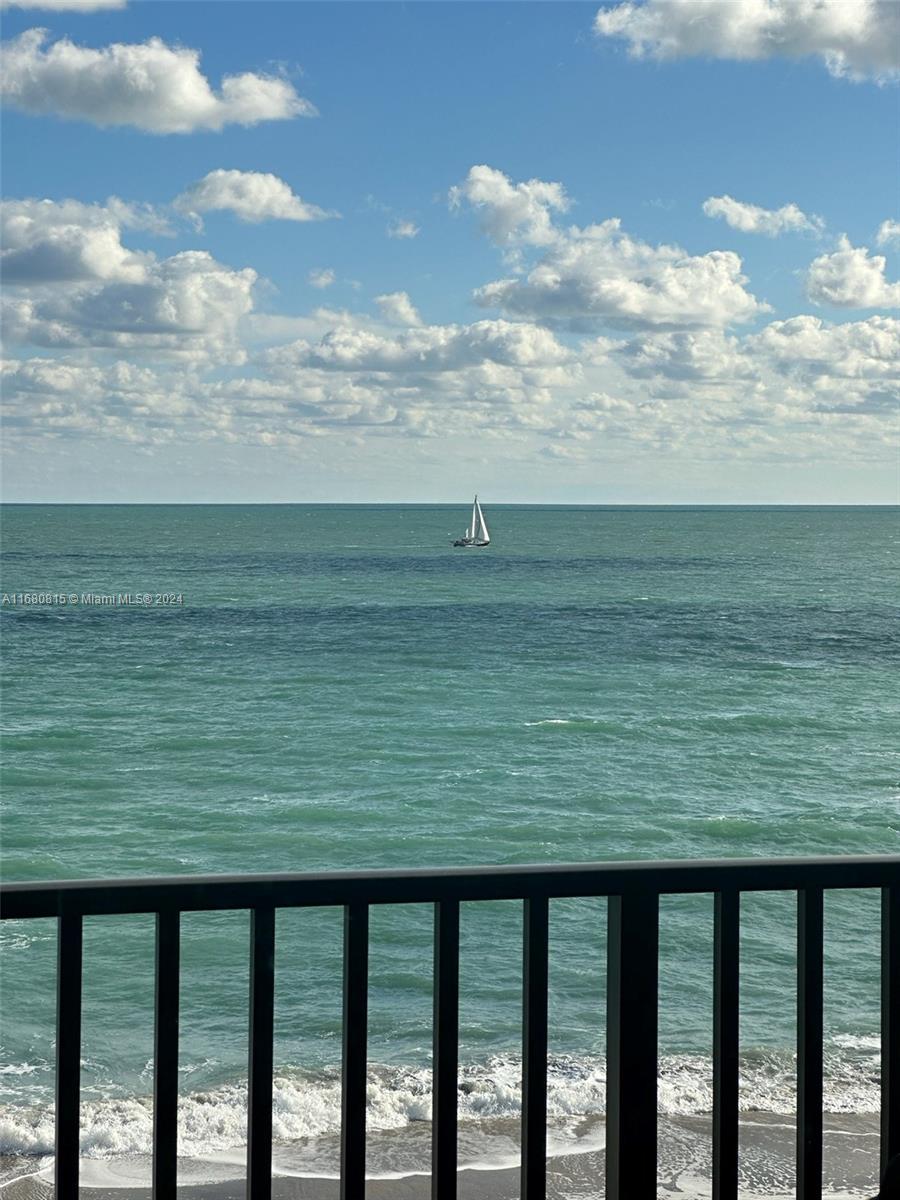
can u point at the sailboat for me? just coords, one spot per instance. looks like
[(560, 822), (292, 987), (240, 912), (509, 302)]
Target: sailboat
[(477, 533)]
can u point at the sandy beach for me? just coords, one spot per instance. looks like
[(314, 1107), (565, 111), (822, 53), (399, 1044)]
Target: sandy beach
[(766, 1169)]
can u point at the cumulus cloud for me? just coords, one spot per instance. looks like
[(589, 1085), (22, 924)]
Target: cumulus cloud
[(856, 39), (600, 274), (512, 212), (798, 389), (60, 397), (252, 196), (702, 356), (347, 375), (868, 349), (151, 86), (888, 233), (398, 309), (188, 306), (45, 241), (597, 274), (403, 229), (432, 348), (420, 383), (425, 381), (851, 278), (790, 371), (750, 218), (321, 277), (147, 349)]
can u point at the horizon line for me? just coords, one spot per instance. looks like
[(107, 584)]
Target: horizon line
[(442, 504)]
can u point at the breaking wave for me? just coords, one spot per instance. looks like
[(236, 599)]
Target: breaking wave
[(307, 1109)]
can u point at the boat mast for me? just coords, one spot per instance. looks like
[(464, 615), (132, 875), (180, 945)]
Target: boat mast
[(482, 524)]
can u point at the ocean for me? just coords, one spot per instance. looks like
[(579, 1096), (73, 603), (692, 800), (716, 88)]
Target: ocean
[(335, 686)]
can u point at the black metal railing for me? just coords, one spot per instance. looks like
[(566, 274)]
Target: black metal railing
[(634, 891)]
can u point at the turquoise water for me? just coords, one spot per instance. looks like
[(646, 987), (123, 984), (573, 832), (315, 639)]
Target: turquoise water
[(340, 688)]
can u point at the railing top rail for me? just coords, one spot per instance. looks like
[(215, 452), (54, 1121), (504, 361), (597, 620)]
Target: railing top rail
[(425, 885)]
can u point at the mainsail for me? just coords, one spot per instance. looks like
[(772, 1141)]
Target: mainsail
[(477, 532), (479, 525)]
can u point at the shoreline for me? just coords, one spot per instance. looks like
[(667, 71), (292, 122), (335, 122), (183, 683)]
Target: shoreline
[(767, 1150)]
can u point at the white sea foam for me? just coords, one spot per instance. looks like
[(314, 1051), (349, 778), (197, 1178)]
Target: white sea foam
[(307, 1104), (854, 1041)]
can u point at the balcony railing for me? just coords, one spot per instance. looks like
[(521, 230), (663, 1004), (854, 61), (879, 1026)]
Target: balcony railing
[(634, 891)]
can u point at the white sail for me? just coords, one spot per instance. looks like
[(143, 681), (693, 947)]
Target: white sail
[(481, 529), (477, 531)]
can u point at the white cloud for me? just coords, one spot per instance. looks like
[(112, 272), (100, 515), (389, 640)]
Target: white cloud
[(403, 229), (139, 215), (60, 397), (252, 196), (597, 274), (600, 274), (790, 371), (750, 218), (700, 355), (419, 382), (51, 242), (512, 212), (398, 309), (868, 349), (431, 348), (150, 86), (149, 350), (856, 39), (850, 278), (888, 232), (850, 368), (321, 277), (799, 391), (188, 306), (425, 381)]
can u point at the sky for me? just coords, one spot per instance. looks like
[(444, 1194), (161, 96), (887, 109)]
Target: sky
[(625, 253)]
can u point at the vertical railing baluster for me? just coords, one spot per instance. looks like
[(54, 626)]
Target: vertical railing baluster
[(810, 979), (259, 1085), (68, 1055), (890, 1023), (726, 1034), (534, 1048), (353, 1094), (632, 1045), (165, 1056), (446, 1051)]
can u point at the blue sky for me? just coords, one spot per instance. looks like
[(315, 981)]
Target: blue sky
[(173, 344)]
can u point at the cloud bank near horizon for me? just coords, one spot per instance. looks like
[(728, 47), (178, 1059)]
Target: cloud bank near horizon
[(603, 343)]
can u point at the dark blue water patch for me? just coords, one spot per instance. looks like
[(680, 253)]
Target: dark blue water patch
[(439, 564), (768, 636), (94, 556), (317, 562)]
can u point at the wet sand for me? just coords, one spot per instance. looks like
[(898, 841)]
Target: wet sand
[(766, 1170)]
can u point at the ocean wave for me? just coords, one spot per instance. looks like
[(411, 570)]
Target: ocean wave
[(307, 1104), (596, 724)]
